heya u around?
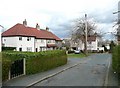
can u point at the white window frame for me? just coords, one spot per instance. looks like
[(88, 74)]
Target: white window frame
[(28, 38), (20, 38)]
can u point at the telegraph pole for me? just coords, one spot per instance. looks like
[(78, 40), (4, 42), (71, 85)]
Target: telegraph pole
[(86, 34)]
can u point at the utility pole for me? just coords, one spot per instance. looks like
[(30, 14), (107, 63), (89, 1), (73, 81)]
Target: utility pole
[(118, 23), (86, 34)]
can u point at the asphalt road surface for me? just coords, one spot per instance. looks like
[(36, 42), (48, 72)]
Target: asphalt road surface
[(90, 72)]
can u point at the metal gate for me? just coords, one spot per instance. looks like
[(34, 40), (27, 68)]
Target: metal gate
[(17, 68)]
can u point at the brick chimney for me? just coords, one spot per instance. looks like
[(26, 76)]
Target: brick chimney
[(47, 28), (37, 26), (25, 22)]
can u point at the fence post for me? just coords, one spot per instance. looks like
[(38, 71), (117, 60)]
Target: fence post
[(9, 75), (24, 61)]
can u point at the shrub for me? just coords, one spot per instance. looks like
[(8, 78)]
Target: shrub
[(69, 51), (8, 48), (5, 69), (35, 61), (116, 59)]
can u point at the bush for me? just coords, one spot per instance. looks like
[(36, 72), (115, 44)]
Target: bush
[(69, 51), (116, 59), (5, 69), (8, 48), (35, 61)]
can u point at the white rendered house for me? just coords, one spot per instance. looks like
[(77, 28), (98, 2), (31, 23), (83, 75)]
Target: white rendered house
[(26, 38), (92, 43)]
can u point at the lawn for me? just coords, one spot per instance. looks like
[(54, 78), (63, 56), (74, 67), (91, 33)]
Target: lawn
[(81, 55)]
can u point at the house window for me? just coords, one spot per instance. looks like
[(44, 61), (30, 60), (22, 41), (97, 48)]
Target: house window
[(48, 41), (90, 42), (28, 38), (20, 38), (20, 49), (42, 40), (29, 48)]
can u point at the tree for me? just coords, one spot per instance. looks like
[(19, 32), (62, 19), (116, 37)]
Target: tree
[(78, 32), (112, 45)]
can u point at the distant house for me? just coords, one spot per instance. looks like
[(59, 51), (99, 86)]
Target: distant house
[(26, 38), (92, 43)]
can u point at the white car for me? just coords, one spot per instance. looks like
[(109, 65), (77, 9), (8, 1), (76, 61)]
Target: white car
[(77, 51)]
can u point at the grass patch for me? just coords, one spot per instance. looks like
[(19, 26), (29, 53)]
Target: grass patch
[(81, 55)]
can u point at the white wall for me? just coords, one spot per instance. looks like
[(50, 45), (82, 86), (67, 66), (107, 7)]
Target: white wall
[(15, 42), (26, 44), (92, 46), (9, 41), (40, 43)]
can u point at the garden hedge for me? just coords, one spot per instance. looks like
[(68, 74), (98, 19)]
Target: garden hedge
[(35, 61), (8, 48), (116, 59)]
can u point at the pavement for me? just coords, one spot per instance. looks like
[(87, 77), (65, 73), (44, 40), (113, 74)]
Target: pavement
[(74, 67)]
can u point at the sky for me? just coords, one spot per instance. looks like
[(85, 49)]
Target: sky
[(58, 15)]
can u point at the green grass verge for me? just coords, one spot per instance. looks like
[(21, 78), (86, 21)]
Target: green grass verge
[(81, 55)]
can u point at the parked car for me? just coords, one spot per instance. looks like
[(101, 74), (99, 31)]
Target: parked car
[(77, 51)]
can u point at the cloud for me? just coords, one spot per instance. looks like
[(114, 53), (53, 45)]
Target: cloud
[(57, 14)]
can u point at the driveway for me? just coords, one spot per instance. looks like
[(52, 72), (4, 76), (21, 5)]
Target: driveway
[(90, 72)]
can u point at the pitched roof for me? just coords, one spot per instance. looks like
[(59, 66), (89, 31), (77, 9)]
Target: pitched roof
[(90, 38), (21, 30)]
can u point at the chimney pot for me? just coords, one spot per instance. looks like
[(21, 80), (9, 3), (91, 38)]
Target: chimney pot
[(25, 22), (47, 28), (37, 26)]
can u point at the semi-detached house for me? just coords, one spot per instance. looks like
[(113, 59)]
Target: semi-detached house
[(26, 38)]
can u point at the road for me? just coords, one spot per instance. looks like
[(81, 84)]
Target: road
[(90, 71)]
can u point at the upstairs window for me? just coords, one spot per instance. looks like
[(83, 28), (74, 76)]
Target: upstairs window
[(20, 38), (42, 41), (48, 41), (4, 39), (28, 38)]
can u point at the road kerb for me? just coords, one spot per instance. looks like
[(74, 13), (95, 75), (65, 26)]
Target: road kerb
[(49, 76), (107, 74)]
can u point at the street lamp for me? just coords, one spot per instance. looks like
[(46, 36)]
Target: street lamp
[(116, 12)]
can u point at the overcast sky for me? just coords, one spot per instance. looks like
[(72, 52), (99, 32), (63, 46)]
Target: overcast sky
[(58, 14)]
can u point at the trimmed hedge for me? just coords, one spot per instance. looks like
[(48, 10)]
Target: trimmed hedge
[(116, 59), (8, 48), (35, 61), (5, 69)]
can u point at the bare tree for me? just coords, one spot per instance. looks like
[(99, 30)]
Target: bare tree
[(78, 32)]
